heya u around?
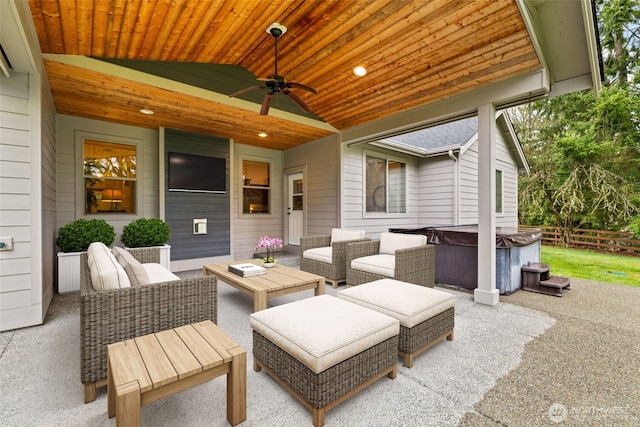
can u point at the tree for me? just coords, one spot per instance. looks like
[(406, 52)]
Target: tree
[(584, 152)]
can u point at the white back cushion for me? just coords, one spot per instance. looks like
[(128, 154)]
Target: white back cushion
[(391, 242), (338, 234), (106, 272)]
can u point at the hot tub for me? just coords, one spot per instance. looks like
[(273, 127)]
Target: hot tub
[(457, 254)]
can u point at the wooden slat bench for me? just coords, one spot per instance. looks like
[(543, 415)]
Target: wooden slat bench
[(148, 368)]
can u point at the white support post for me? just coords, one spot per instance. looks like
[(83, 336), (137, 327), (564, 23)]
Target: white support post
[(486, 292)]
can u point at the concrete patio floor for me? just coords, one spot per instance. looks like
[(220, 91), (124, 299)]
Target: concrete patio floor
[(532, 360)]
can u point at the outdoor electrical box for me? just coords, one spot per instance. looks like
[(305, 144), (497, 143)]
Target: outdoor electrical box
[(200, 226)]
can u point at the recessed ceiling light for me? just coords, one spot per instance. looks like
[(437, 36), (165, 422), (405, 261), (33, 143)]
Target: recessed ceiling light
[(146, 111), (360, 71), (262, 135)]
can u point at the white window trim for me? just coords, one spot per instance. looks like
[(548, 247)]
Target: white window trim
[(387, 157), (80, 137), (271, 162), (501, 212)]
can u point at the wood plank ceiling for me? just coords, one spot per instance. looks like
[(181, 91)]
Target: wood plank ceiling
[(416, 52)]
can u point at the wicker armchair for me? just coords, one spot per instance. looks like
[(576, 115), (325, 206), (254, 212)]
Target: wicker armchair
[(415, 264), (116, 315), (329, 246)]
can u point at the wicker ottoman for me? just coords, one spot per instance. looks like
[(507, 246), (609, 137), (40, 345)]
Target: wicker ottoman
[(324, 350), (426, 315)]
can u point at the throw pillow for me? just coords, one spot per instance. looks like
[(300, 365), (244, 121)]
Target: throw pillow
[(136, 272)]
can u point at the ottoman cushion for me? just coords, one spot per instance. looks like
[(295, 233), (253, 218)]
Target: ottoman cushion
[(410, 304), (323, 331)]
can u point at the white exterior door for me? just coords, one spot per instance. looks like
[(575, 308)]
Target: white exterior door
[(295, 208)]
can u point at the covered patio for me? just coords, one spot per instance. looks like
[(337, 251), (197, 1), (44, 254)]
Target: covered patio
[(428, 63)]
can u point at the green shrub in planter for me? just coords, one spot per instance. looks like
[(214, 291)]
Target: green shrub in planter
[(145, 232), (77, 235)]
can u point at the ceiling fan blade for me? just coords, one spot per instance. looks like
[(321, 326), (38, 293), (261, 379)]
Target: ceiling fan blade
[(295, 98), (301, 86), (266, 103), (240, 92)]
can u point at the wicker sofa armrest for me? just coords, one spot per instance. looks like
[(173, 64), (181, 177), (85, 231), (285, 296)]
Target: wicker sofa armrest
[(416, 265), (339, 251), (116, 315), (311, 242), (360, 249), (145, 255)]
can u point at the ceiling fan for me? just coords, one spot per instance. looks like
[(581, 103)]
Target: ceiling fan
[(277, 83)]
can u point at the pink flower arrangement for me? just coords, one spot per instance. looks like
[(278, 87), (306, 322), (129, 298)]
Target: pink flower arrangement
[(271, 244)]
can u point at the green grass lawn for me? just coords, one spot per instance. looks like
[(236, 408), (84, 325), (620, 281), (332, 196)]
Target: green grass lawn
[(585, 264)]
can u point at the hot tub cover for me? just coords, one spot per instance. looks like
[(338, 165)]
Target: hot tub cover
[(467, 235)]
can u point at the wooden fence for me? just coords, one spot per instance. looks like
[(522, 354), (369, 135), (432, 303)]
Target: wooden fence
[(599, 240)]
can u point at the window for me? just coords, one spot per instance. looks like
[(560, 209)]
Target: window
[(498, 191), (109, 177), (256, 187), (385, 190)]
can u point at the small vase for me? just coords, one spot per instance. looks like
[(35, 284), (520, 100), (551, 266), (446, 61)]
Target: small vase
[(269, 264)]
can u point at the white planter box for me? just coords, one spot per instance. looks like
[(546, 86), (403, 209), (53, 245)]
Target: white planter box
[(69, 271), (165, 255)]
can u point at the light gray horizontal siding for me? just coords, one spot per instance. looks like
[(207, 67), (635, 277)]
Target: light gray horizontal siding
[(247, 229), (69, 185), (436, 191), (321, 162), (353, 178)]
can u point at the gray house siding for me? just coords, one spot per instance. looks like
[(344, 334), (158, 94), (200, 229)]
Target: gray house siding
[(70, 132), (182, 207), (247, 228), (48, 187), (437, 191), (27, 196), (320, 160), (468, 197), (353, 179), (506, 162), (468, 201)]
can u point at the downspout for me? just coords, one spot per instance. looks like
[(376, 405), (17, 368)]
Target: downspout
[(456, 215)]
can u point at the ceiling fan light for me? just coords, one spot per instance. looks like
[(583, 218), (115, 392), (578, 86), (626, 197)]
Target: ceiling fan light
[(360, 71)]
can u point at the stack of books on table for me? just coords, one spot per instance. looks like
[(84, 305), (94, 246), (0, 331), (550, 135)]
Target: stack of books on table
[(247, 269)]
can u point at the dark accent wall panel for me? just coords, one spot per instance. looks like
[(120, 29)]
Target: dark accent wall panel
[(182, 207)]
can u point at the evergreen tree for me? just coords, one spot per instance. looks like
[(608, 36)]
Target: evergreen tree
[(584, 152)]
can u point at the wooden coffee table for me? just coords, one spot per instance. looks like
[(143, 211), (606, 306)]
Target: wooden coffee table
[(277, 281)]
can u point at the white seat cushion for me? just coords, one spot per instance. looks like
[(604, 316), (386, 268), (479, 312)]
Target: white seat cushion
[(323, 254), (106, 272), (382, 264), (158, 274), (339, 234), (322, 331), (410, 304), (391, 242)]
